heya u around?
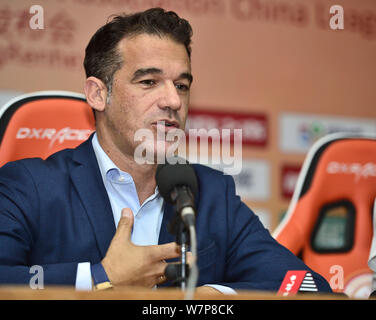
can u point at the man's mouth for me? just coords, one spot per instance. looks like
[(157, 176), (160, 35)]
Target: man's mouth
[(166, 124)]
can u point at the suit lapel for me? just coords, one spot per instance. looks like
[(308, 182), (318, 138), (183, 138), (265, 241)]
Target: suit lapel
[(87, 181)]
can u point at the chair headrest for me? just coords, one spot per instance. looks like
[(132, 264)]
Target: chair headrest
[(342, 167), (41, 125)]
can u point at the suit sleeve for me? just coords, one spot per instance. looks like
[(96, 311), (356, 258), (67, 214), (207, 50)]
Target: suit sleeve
[(19, 230), (255, 260)]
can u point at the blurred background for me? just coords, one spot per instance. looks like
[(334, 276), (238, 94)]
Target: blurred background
[(273, 68)]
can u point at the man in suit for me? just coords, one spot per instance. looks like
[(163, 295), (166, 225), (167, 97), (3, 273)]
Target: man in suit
[(92, 216)]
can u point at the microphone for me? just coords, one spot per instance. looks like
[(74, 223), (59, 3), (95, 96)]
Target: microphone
[(177, 184), (297, 281)]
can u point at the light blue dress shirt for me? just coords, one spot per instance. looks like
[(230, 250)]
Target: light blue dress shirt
[(122, 193)]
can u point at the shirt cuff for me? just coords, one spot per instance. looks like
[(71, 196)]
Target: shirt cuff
[(83, 277), (222, 289)]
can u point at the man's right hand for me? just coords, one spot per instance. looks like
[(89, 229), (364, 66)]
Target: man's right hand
[(127, 264)]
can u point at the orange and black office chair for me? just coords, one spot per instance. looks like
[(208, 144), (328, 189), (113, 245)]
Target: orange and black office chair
[(329, 220), (372, 253), (41, 123)]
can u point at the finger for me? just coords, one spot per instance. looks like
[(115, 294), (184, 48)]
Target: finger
[(161, 279), (189, 257), (125, 225), (165, 251), (157, 272)]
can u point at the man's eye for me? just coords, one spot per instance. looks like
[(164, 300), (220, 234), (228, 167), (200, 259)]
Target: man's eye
[(148, 82), (182, 87)]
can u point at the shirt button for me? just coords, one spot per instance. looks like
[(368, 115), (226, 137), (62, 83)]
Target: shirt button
[(121, 178)]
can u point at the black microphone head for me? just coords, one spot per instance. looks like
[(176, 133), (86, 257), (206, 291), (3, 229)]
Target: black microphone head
[(169, 176)]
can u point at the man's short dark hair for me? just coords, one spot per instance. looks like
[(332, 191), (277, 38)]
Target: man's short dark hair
[(102, 58)]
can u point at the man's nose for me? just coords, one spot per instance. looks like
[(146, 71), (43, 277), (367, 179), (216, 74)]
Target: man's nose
[(170, 98)]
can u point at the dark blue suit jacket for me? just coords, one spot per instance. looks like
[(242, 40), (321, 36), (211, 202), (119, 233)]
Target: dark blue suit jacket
[(56, 213)]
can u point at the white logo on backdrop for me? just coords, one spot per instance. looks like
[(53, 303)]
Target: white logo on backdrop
[(253, 181), (299, 132)]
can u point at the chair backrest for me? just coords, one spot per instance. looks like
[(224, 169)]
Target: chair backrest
[(329, 220), (41, 123), (372, 253)]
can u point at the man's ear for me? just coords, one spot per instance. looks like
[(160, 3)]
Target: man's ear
[(96, 93)]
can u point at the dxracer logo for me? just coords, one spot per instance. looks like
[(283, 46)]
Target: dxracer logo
[(54, 135), (357, 169)]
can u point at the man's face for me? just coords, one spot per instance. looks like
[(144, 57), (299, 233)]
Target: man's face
[(152, 85)]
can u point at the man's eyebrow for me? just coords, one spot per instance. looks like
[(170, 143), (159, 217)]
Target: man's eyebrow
[(186, 75), (145, 71), (142, 72)]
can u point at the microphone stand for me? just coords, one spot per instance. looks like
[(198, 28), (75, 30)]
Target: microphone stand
[(178, 185), (183, 227), (180, 271), (184, 235)]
